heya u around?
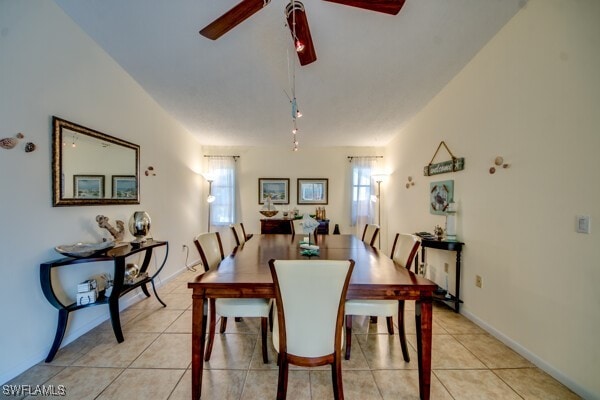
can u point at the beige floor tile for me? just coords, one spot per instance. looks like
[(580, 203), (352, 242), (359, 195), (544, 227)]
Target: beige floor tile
[(383, 351), (152, 321), (81, 383), (263, 385), (183, 324), (492, 352), (171, 350), (358, 385), (448, 353), (404, 385), (177, 301), (475, 385), (534, 384), (216, 385), (120, 355), (155, 384), (454, 323), (231, 350)]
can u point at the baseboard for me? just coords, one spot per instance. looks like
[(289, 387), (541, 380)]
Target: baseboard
[(533, 358), (71, 335)]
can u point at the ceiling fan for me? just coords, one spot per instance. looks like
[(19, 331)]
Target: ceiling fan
[(296, 21)]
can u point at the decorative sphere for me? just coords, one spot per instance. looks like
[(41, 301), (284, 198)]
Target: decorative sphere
[(139, 224)]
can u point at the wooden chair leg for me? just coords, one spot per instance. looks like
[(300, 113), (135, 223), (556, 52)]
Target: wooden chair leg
[(348, 336), (336, 377), (283, 377), (223, 325), (211, 329), (271, 317), (390, 325), (373, 319), (238, 319), (263, 331), (401, 331)]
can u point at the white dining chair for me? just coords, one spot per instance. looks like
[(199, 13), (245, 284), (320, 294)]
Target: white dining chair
[(370, 233), (403, 253), (211, 253), (239, 233), (309, 302)]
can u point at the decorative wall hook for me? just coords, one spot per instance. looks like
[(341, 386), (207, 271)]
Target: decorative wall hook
[(498, 161), (150, 171), (410, 182), (29, 147)]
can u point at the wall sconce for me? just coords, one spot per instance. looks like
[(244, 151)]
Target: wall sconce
[(410, 182), (499, 161)]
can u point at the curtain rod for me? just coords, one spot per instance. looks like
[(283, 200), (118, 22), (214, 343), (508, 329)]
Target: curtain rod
[(351, 157), (234, 157)]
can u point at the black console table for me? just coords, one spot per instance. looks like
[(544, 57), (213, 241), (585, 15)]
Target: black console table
[(452, 301), (118, 255)]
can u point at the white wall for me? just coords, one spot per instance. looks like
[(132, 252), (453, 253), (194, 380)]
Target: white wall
[(532, 95), (276, 162), (49, 67)]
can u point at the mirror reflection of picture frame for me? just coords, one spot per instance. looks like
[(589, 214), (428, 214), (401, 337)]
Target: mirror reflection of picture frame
[(313, 191), (277, 188), (124, 187), (88, 186)]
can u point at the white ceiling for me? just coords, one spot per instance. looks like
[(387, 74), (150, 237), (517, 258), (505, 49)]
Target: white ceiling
[(373, 71)]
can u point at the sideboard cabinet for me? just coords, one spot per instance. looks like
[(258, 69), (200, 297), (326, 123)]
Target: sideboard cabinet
[(284, 226)]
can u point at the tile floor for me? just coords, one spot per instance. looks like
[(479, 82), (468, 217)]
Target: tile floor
[(154, 361)]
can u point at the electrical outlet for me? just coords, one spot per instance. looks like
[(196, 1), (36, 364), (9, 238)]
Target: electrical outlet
[(478, 281), (446, 267)]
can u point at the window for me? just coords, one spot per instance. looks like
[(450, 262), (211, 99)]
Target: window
[(362, 207), (222, 210)]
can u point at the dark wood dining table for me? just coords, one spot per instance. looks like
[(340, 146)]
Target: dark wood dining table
[(245, 274)]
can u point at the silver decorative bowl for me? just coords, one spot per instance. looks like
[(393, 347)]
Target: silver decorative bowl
[(269, 213), (81, 250)]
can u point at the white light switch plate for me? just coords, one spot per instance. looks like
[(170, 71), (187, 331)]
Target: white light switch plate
[(583, 224)]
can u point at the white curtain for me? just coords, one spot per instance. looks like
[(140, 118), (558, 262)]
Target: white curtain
[(223, 209), (362, 208)]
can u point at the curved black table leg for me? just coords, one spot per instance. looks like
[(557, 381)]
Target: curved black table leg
[(145, 290), (113, 307), (61, 327), (156, 293)]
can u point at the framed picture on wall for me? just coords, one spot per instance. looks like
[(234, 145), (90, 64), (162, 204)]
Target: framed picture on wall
[(440, 194), (88, 186), (313, 191), (124, 187), (276, 188)]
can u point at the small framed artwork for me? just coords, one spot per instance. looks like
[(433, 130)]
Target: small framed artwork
[(313, 191), (88, 186), (276, 188), (124, 187), (440, 194)]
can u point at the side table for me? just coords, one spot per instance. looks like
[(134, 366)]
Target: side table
[(118, 255)]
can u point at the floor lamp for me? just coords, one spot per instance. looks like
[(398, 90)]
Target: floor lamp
[(210, 198), (378, 179)]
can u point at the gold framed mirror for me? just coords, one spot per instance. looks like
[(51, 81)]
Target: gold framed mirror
[(86, 164)]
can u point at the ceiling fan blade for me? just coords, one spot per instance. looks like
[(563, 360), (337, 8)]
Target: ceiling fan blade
[(385, 6), (297, 22), (238, 14)]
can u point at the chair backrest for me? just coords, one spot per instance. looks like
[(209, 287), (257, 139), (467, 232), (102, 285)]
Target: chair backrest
[(309, 297), (297, 228), (370, 234), (210, 248), (239, 233), (404, 249)]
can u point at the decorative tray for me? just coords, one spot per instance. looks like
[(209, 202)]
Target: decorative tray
[(81, 250)]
